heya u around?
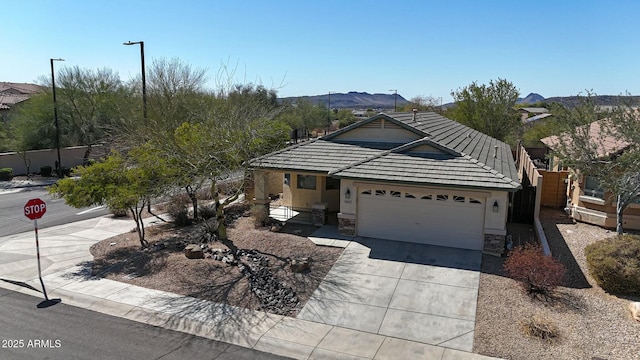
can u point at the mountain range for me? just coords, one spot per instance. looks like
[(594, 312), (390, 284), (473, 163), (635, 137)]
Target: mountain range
[(364, 100), (353, 100)]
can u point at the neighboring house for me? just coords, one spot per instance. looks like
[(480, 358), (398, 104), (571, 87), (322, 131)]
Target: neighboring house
[(527, 112), (415, 177), (14, 93), (528, 122), (587, 201)]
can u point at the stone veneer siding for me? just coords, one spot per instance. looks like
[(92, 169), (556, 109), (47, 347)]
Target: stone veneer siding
[(494, 244), (347, 225)]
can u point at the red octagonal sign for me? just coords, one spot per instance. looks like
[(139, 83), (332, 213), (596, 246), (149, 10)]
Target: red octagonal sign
[(34, 209)]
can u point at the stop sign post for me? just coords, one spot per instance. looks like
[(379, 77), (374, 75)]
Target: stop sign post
[(34, 209)]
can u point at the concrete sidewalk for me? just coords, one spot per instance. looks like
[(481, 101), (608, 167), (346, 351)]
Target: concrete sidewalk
[(66, 263)]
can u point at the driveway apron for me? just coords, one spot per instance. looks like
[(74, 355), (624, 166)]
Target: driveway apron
[(409, 291)]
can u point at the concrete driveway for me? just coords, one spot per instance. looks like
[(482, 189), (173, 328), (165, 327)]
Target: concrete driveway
[(409, 291)]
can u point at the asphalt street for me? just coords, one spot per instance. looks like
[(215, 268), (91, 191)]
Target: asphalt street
[(66, 332), (13, 221)]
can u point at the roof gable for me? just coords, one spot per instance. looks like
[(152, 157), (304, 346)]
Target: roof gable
[(380, 128)]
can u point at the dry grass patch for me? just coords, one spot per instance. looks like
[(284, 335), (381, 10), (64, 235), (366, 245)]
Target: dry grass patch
[(539, 326)]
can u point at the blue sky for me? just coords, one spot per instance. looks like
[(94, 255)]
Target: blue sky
[(554, 48)]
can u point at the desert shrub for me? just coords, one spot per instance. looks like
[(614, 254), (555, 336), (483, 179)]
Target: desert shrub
[(206, 212), (615, 264), (178, 209), (260, 215), (229, 187), (45, 171), (204, 194), (117, 212), (65, 171), (6, 174), (539, 274), (539, 327)]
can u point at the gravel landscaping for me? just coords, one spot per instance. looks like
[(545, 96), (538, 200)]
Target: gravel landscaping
[(164, 266), (592, 323)]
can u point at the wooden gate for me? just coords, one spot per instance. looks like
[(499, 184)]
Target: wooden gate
[(554, 188), (523, 203)]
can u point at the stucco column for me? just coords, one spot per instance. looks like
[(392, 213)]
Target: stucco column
[(260, 187)]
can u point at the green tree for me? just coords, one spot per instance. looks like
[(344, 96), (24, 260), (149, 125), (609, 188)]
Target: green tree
[(91, 105), (587, 147), (206, 136), (118, 182), (345, 118), (488, 108), (303, 116), (32, 125), (421, 103)]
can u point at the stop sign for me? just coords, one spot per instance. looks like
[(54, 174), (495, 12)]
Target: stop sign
[(35, 208)]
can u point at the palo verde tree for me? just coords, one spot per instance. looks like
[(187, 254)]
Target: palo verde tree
[(607, 149), (119, 182), (207, 137), (489, 109)]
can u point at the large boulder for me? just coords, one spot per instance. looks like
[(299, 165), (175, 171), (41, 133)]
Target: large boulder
[(193, 251), (635, 310)]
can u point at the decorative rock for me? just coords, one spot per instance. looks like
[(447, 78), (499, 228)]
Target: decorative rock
[(276, 228), (229, 259), (193, 251), (300, 265), (635, 310)]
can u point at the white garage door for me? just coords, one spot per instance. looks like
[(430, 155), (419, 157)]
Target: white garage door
[(436, 218)]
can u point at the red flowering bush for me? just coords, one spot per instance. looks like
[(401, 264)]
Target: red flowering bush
[(539, 274)]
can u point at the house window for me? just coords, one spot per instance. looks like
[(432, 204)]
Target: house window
[(593, 188), (381, 192), (395, 193), (458, 198), (409, 196), (287, 179), (426, 197), (366, 192), (332, 184), (442, 197), (307, 182)]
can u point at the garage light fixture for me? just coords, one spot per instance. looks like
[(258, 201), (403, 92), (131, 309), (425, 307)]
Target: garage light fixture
[(495, 206), (347, 194)]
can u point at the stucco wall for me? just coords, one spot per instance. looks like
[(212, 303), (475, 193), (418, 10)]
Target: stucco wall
[(274, 183), (70, 157), (601, 212)]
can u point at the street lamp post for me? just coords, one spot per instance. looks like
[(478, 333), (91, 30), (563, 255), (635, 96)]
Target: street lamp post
[(144, 81), (395, 100), (329, 113), (55, 115)]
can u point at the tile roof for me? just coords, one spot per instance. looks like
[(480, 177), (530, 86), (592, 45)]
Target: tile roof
[(536, 118), (535, 110), (19, 88), (447, 168), (318, 155), (462, 156), (607, 144)]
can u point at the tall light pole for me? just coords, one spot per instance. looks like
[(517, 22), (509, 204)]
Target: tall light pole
[(144, 81), (329, 112), (55, 115), (395, 100)]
